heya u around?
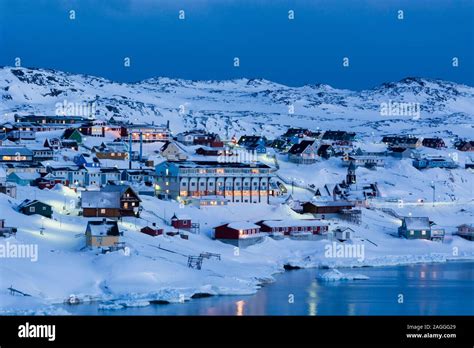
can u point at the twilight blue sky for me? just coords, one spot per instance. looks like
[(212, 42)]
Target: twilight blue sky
[(306, 50)]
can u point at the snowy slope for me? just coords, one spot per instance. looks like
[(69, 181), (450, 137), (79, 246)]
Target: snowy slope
[(227, 107), (242, 105)]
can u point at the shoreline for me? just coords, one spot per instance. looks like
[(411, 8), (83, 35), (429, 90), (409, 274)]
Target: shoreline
[(145, 300)]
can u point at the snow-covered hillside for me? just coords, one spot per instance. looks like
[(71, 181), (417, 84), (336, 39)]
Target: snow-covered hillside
[(147, 272), (243, 105)]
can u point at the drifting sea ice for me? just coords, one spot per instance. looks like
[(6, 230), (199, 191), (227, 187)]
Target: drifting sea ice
[(335, 275)]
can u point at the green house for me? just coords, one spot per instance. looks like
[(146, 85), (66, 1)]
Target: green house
[(33, 207), (73, 134), (415, 228)]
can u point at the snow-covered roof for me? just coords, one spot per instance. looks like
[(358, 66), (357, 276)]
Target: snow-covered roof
[(294, 223), (417, 223), (102, 230), (27, 175), (301, 147), (242, 225), (99, 199), (181, 216), (15, 151)]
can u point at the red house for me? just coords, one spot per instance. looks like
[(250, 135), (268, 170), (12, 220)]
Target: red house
[(289, 227), (152, 231), (238, 233), (182, 222), (49, 183)]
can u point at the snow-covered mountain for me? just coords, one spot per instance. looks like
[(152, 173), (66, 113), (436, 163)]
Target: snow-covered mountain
[(244, 105)]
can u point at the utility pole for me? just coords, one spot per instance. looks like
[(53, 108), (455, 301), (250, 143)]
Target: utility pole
[(434, 192)]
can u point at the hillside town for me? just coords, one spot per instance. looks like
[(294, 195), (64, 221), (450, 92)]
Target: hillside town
[(111, 182), (111, 165)]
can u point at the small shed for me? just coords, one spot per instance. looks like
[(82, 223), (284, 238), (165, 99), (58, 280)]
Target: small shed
[(152, 231), (181, 222), (343, 233)]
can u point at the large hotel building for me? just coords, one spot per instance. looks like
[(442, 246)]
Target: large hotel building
[(237, 182)]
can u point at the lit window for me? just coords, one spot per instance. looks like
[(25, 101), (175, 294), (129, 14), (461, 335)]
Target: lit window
[(423, 233), (102, 211), (412, 233)]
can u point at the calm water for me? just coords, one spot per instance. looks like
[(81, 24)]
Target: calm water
[(428, 289)]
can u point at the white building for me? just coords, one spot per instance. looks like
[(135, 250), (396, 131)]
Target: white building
[(238, 182)]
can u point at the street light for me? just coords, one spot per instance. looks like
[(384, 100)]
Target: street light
[(42, 225)]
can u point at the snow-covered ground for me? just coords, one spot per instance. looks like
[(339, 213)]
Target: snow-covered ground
[(155, 268), (63, 269)]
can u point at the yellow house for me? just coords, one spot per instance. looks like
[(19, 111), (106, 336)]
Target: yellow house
[(102, 233)]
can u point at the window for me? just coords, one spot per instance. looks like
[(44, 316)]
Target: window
[(44, 208), (423, 233), (412, 233), (32, 209), (193, 184), (102, 211)]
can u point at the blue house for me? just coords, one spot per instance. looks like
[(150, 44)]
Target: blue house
[(22, 179), (253, 143), (138, 175), (15, 154), (101, 176), (87, 161), (434, 162)]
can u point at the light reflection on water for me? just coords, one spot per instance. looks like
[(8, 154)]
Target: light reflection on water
[(431, 289)]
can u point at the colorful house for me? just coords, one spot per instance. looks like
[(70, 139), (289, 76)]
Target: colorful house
[(103, 233), (466, 231), (152, 231), (415, 228), (73, 134), (294, 226), (22, 179), (303, 153), (112, 201), (33, 207), (240, 234), (434, 162)]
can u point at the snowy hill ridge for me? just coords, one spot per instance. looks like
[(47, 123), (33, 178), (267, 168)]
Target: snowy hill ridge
[(233, 106)]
